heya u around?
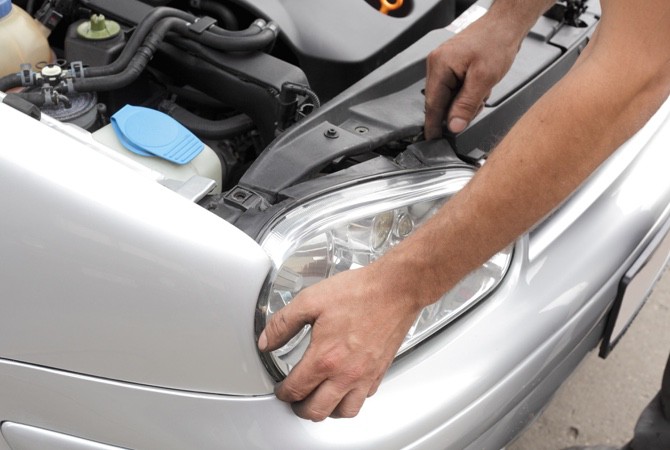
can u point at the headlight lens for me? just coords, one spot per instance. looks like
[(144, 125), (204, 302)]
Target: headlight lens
[(352, 227)]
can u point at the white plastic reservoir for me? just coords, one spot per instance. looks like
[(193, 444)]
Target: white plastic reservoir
[(21, 39), (206, 164)]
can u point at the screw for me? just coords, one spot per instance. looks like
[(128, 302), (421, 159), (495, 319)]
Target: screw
[(361, 130), (331, 133)]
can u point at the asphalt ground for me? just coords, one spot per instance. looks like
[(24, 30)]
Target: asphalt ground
[(601, 401)]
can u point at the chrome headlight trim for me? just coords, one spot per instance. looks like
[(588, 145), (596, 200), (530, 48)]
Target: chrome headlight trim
[(352, 226)]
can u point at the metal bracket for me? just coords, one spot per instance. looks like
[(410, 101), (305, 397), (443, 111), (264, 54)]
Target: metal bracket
[(193, 189)]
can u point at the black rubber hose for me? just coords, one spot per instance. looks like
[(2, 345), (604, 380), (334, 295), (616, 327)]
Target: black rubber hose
[(209, 129), (226, 43), (36, 98), (136, 65), (219, 11), (146, 52), (195, 97), (10, 81), (39, 98), (144, 28), (136, 40), (253, 29), (242, 95)]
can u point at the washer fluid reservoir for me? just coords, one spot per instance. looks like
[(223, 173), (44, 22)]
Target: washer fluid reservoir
[(21, 39), (206, 164)]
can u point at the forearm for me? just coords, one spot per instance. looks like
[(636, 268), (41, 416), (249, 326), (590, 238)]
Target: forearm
[(543, 159)]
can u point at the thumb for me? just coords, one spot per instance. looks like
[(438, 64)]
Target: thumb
[(468, 103), (283, 325)]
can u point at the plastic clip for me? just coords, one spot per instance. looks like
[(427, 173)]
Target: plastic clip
[(48, 15), (77, 70), (202, 24), (27, 75)]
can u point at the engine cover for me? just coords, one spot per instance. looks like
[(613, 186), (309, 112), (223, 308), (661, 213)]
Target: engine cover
[(339, 41)]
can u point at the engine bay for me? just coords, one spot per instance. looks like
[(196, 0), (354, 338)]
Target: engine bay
[(281, 98), (235, 73)]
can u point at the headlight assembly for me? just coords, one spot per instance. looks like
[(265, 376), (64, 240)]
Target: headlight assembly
[(352, 227)]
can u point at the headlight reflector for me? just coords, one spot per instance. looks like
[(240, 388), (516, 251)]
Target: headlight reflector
[(352, 227)]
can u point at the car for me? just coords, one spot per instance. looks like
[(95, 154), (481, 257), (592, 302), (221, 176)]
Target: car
[(173, 173)]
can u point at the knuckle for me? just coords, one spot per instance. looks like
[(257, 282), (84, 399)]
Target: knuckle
[(318, 416), (314, 414), (484, 75), (347, 412), (467, 104), (289, 393), (374, 388), (282, 322), (327, 364), (352, 374), (330, 362), (434, 56)]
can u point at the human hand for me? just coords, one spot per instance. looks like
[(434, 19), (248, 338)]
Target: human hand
[(359, 319), (462, 71)]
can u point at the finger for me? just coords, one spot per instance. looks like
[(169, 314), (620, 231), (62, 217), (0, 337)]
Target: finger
[(285, 324), (481, 106), (311, 371), (350, 405), (441, 83), (469, 100), (321, 403)]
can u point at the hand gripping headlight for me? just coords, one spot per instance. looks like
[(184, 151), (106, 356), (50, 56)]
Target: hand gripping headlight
[(352, 227)]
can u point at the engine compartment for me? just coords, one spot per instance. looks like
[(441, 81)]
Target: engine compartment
[(236, 73), (266, 86)]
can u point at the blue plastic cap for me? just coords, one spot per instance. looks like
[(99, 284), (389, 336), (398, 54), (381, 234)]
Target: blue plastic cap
[(148, 132), (5, 7)]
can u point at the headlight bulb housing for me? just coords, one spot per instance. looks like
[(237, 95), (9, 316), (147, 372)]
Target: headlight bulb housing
[(350, 228)]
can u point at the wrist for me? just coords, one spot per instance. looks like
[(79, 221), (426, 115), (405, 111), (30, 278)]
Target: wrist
[(408, 274)]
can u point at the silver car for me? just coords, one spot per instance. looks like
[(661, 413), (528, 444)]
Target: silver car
[(134, 286)]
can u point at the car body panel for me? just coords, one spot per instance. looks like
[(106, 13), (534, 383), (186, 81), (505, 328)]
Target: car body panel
[(24, 437), (108, 273)]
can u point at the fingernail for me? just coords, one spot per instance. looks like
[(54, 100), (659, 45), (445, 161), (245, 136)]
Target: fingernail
[(262, 342), (457, 125)]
